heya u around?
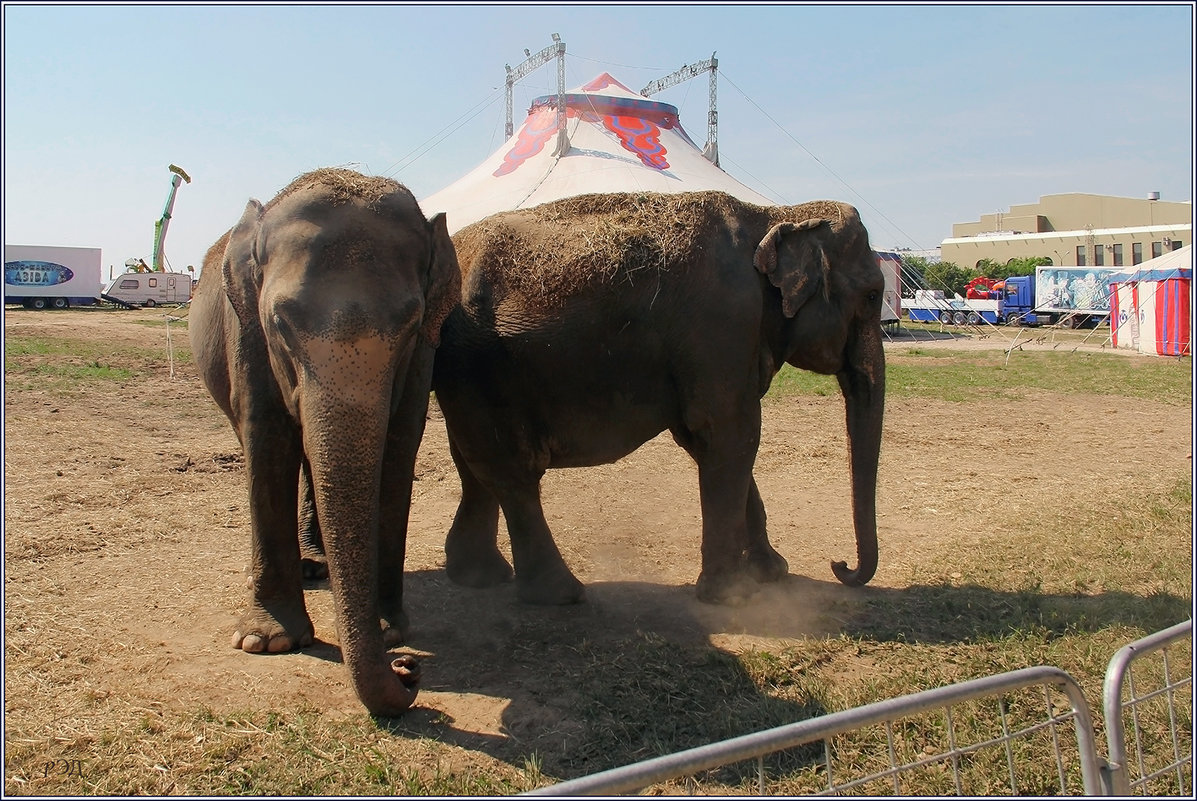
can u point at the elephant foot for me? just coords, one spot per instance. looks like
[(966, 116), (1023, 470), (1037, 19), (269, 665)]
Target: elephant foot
[(260, 632), (477, 570), (728, 588), (314, 568), (765, 564), (556, 589)]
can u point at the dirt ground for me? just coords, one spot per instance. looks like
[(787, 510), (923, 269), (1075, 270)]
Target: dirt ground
[(126, 540)]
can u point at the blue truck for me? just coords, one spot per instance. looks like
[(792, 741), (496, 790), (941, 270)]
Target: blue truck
[(1077, 297)]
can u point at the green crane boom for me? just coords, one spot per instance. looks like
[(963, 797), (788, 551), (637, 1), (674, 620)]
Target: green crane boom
[(177, 177)]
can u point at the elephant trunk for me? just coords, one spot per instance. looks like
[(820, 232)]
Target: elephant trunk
[(862, 381), (345, 431)]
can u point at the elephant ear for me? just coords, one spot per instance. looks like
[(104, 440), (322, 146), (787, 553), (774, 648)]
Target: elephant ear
[(240, 272), (443, 284), (793, 258)]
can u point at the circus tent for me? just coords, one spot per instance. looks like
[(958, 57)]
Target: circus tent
[(1151, 306), (615, 141)]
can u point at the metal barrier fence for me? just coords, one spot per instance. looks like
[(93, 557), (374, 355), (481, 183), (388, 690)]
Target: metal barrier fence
[(1029, 730), (1160, 704)]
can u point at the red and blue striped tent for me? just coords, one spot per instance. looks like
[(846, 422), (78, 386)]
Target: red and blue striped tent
[(1151, 306)]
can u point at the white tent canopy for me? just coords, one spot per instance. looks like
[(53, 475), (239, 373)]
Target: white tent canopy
[(1151, 305), (1157, 268), (617, 141)]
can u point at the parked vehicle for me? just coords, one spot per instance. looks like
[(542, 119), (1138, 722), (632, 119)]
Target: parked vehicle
[(931, 306), (45, 277), (890, 263), (151, 285), (149, 288), (1073, 296), (1078, 297)]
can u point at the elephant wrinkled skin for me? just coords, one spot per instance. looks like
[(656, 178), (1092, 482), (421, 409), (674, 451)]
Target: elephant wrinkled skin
[(590, 325), (314, 327)]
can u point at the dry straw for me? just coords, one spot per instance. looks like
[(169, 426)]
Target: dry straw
[(550, 252)]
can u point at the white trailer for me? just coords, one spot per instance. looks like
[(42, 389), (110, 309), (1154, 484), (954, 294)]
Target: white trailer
[(149, 288), (930, 305), (47, 277), (891, 269)]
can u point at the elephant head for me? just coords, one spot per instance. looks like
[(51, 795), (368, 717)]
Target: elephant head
[(831, 289), (337, 290)]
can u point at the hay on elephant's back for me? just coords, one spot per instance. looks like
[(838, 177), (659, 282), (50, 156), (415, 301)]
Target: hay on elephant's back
[(550, 252), (344, 186)]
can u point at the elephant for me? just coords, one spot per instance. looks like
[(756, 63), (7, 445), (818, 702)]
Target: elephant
[(589, 325), (314, 326)]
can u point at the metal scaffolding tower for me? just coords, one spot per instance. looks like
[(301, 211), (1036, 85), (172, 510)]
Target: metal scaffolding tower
[(555, 50), (711, 150)]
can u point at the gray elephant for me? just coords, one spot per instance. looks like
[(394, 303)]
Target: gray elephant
[(314, 327), (589, 325)]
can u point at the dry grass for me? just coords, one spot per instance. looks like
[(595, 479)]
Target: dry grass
[(1002, 547)]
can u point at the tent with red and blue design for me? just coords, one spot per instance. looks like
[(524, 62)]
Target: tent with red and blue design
[(615, 141), (1151, 306)]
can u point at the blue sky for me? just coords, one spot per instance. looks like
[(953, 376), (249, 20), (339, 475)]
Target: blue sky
[(921, 115)]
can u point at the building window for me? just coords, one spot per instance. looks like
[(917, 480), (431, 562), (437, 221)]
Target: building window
[(1157, 249), (1099, 256), (1080, 255), (1176, 244), (1137, 253), (1117, 255)]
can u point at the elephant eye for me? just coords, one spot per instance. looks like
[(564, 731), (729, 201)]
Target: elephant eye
[(873, 296)]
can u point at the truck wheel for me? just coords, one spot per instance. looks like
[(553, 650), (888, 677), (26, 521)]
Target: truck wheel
[(1011, 319), (958, 318), (945, 317), (37, 303), (973, 318), (60, 303), (149, 304)]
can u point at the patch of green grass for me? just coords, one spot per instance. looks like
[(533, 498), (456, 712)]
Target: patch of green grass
[(791, 381), (62, 365), (962, 376), (180, 322)]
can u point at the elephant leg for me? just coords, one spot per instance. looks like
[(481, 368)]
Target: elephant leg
[(404, 434), (313, 562), (277, 619), (472, 556), (541, 575), (724, 449), (762, 562)]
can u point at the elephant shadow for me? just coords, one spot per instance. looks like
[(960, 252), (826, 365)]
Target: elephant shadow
[(948, 613), (634, 671), (628, 674)]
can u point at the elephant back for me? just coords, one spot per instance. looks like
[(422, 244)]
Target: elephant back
[(340, 186), (549, 253)]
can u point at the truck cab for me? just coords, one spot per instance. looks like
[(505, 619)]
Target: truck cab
[(1018, 300)]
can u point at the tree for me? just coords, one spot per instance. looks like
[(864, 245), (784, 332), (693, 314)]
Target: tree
[(946, 276), (1000, 272)]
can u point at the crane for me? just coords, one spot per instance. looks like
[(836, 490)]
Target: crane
[(178, 175)]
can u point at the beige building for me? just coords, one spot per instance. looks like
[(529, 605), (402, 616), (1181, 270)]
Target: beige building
[(1074, 230)]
